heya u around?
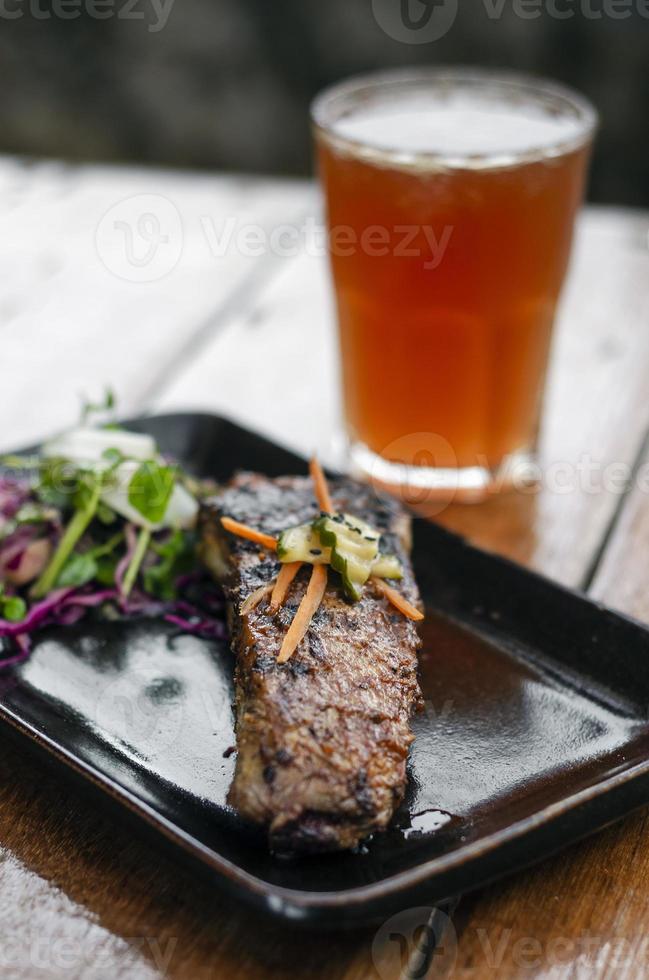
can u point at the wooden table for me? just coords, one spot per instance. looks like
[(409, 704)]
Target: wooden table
[(191, 291)]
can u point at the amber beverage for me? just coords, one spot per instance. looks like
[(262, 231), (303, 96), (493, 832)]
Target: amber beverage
[(451, 200)]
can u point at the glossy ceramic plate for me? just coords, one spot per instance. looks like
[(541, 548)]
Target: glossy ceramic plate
[(534, 732)]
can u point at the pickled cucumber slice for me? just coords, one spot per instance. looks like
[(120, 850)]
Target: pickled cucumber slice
[(387, 566), (302, 543), (348, 544), (354, 548)]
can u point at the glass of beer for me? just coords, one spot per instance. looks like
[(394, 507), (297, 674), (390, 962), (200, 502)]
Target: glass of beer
[(451, 197)]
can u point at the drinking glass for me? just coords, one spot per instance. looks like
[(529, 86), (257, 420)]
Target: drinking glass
[(451, 198)]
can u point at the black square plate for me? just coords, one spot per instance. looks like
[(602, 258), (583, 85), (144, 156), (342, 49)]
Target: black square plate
[(534, 734)]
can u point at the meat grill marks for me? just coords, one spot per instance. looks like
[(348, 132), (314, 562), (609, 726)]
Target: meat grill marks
[(323, 739)]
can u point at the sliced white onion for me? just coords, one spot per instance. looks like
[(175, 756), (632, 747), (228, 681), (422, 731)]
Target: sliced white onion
[(182, 510), (87, 445)]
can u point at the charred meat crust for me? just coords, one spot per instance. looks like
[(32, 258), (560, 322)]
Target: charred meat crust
[(322, 741)]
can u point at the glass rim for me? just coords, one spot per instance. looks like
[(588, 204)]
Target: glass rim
[(539, 89)]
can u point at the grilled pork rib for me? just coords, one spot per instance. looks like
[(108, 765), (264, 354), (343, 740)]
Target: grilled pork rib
[(323, 739)]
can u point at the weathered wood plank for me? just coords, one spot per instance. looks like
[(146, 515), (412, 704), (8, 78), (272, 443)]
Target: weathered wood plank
[(273, 369), (622, 578), (75, 247)]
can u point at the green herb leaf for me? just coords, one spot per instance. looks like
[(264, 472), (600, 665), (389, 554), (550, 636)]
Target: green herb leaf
[(141, 548), (176, 557), (89, 408), (12, 608), (150, 490), (71, 536), (58, 483), (78, 571), (84, 567), (106, 570), (106, 514), (107, 547), (89, 486)]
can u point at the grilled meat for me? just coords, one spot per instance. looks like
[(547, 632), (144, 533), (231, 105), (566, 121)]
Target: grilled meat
[(323, 739)]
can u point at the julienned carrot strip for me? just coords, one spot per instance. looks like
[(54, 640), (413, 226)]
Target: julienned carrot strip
[(305, 613), (253, 600), (320, 487), (282, 584), (249, 533), (397, 600)]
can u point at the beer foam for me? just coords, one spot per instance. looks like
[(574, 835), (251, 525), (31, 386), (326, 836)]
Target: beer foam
[(458, 125)]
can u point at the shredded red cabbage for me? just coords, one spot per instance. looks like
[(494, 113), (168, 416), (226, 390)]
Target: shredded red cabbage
[(64, 607)]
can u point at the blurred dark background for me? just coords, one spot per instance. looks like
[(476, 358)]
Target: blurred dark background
[(226, 84)]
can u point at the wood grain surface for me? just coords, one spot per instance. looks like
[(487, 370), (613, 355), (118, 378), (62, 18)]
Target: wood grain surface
[(84, 898), (75, 312)]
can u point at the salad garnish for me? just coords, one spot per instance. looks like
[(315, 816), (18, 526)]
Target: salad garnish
[(99, 519), (343, 542)]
